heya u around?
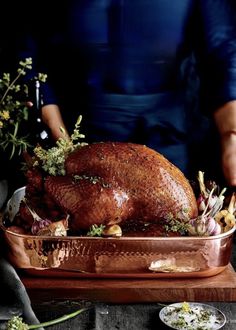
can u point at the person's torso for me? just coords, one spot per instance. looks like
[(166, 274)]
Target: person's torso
[(126, 46)]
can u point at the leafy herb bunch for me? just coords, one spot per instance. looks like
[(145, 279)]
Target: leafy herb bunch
[(52, 161), (14, 110)]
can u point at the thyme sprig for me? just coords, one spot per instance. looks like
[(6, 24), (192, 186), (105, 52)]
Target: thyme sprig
[(52, 161), (96, 230), (176, 226)]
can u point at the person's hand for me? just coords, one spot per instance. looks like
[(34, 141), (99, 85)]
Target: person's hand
[(51, 116), (228, 145)]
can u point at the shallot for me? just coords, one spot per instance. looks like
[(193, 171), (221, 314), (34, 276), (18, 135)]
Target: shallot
[(209, 205), (38, 223)]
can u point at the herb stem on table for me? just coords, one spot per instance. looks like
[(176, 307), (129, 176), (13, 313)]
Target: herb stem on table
[(16, 323)]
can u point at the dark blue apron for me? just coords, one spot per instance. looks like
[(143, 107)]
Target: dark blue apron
[(156, 120)]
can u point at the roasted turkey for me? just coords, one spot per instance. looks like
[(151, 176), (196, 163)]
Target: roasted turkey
[(113, 183)]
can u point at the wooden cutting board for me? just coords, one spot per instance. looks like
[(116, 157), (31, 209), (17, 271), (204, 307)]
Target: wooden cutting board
[(221, 287)]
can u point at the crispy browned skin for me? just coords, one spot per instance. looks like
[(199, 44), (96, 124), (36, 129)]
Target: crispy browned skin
[(89, 203), (118, 182)]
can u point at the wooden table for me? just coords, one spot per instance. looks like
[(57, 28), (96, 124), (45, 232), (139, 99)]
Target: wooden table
[(221, 287), (118, 317), (126, 304)]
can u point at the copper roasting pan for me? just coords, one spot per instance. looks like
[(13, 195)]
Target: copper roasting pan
[(123, 257)]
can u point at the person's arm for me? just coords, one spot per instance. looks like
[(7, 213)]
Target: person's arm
[(225, 119), (218, 56), (51, 116)]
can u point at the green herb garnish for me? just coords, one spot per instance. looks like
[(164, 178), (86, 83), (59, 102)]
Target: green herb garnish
[(96, 230), (174, 225), (52, 160)]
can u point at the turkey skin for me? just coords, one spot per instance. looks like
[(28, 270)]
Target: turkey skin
[(116, 182)]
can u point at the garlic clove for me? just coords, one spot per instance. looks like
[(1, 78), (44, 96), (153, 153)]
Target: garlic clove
[(112, 231), (217, 230), (210, 226)]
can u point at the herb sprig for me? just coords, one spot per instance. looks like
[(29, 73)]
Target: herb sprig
[(96, 230), (13, 109), (52, 160), (16, 323)]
